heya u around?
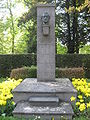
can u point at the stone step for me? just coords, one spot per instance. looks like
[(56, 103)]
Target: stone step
[(62, 88), (44, 101), (25, 110)]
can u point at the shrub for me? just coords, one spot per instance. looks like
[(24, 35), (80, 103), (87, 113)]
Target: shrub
[(12, 61), (31, 72), (24, 72), (70, 73)]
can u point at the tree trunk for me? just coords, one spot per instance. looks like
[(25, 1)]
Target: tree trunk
[(75, 32), (12, 25), (70, 43)]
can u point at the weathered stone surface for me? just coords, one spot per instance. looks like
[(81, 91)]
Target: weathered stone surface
[(44, 101), (62, 88), (31, 85), (46, 44), (24, 109)]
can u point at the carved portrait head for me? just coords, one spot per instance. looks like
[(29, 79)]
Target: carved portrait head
[(45, 18)]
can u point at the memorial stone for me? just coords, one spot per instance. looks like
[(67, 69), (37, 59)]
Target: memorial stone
[(46, 42)]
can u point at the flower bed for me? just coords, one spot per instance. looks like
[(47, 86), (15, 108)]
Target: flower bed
[(6, 102), (82, 102)]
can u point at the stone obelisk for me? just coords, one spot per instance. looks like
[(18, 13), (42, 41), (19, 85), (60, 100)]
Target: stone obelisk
[(46, 43)]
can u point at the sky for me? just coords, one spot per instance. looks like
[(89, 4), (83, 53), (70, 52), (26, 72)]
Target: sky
[(17, 11)]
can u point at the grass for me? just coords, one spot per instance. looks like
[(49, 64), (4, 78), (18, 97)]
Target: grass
[(81, 118), (13, 118), (8, 118)]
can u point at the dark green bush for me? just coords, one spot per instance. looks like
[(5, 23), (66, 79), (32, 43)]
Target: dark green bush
[(9, 62), (12, 61), (31, 72)]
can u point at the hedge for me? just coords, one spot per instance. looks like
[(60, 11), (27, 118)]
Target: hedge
[(9, 62), (74, 60), (24, 72), (31, 72)]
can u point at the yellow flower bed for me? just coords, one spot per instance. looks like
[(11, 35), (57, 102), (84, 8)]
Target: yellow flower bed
[(83, 98), (5, 90)]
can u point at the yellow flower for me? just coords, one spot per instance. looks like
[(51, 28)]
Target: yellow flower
[(9, 79), (81, 100), (4, 103), (82, 107), (20, 80), (88, 84), (72, 98), (87, 94), (88, 105), (80, 96), (5, 90), (77, 103)]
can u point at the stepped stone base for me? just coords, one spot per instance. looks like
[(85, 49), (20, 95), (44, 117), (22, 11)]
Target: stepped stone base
[(25, 110), (44, 99), (61, 88)]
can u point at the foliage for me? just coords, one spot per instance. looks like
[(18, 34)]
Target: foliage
[(72, 25), (24, 72), (82, 104), (8, 118), (6, 103), (61, 49), (14, 118), (70, 73), (18, 33), (85, 50), (9, 62), (31, 72), (2, 79), (11, 36)]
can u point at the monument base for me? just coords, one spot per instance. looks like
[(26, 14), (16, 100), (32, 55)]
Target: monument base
[(45, 99)]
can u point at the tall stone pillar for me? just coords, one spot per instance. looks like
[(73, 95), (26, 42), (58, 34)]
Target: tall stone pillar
[(46, 42)]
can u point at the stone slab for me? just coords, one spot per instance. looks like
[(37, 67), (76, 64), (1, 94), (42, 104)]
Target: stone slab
[(44, 101), (24, 109), (31, 85), (61, 88)]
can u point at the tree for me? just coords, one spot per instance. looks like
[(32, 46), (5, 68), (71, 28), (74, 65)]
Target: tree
[(70, 31), (12, 28), (74, 32), (11, 36), (28, 21)]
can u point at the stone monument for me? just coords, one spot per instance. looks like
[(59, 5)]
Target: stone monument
[(45, 96), (46, 43)]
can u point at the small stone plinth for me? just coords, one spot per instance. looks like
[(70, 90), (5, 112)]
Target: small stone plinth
[(61, 88), (24, 110), (44, 101)]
